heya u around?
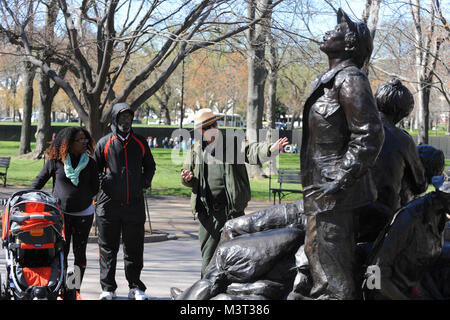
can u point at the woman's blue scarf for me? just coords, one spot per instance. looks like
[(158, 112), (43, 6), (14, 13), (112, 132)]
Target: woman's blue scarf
[(72, 173)]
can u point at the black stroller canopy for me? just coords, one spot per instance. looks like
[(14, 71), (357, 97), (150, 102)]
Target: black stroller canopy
[(33, 196)]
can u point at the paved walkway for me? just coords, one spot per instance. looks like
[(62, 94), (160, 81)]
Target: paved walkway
[(171, 254)]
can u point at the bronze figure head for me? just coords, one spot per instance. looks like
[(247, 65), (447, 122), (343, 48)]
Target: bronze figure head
[(349, 38), (394, 99)]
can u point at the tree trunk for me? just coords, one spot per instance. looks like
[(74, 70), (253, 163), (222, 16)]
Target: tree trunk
[(163, 101), (47, 93), (96, 128), (257, 74), (165, 113), (424, 114), (25, 134), (427, 45), (272, 134), (272, 87), (43, 131), (370, 17), (255, 101)]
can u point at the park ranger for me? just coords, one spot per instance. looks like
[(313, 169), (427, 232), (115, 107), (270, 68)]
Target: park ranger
[(220, 189)]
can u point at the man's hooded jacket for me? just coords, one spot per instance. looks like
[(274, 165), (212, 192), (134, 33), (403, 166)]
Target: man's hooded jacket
[(127, 166)]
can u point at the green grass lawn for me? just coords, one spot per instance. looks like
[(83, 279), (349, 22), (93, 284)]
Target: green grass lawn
[(440, 131), (167, 178)]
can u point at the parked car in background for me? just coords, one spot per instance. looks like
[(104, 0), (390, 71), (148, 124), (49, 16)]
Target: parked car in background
[(281, 126), (8, 119)]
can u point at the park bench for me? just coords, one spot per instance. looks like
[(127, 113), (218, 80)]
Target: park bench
[(4, 165), (286, 176)]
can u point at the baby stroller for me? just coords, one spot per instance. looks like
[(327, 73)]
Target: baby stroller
[(33, 239)]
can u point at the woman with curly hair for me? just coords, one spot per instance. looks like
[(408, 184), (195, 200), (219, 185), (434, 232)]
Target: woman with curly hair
[(75, 183)]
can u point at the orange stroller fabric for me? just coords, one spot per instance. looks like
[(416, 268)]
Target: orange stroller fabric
[(37, 276)]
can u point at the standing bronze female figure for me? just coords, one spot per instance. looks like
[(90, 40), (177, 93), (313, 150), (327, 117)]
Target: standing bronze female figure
[(342, 136)]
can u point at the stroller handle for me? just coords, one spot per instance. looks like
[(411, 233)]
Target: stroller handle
[(21, 219)]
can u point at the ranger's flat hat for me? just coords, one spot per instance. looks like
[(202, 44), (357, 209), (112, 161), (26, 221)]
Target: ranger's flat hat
[(204, 117)]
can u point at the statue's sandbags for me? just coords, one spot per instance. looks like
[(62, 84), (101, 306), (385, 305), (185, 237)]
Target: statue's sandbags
[(269, 289), (283, 271), (201, 290), (275, 217), (247, 258), (224, 296)]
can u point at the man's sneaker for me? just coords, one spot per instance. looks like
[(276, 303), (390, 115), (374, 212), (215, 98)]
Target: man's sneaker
[(137, 294), (107, 295)]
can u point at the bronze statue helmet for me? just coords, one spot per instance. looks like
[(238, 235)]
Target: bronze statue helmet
[(363, 40)]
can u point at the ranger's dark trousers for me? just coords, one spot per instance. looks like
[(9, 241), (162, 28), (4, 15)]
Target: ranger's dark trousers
[(116, 219), (210, 230)]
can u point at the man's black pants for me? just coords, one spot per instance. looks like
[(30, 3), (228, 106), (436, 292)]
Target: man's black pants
[(115, 219)]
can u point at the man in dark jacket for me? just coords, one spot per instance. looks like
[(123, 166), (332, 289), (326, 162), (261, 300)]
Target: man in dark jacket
[(127, 167), (342, 136)]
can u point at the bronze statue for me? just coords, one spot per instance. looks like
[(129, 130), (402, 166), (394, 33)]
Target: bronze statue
[(342, 137), (398, 173), (412, 243)]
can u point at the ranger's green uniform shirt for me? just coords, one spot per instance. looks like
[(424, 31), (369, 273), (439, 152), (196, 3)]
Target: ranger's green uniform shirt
[(214, 175), (236, 182)]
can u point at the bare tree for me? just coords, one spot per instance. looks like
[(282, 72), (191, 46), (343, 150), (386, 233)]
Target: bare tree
[(31, 37), (99, 61), (163, 97), (47, 89), (427, 45), (25, 133), (257, 72), (273, 66), (370, 16), (411, 44)]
